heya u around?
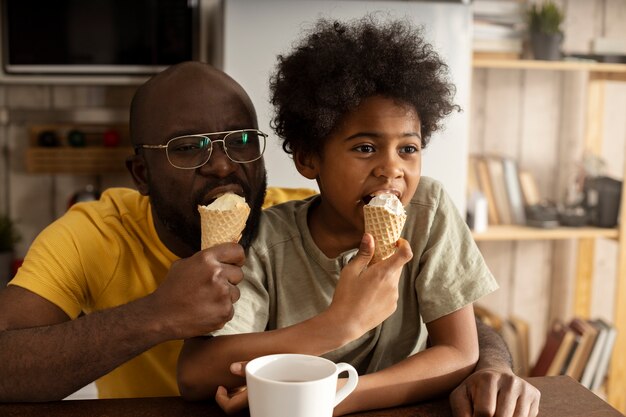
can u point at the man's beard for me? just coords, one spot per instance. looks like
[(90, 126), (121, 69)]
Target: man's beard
[(186, 226)]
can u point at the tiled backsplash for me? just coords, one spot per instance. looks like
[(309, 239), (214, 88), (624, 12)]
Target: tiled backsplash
[(35, 200)]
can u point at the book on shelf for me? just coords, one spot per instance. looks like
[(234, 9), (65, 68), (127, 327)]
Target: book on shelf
[(511, 9), (498, 185), (485, 28), (580, 349), (484, 182), (559, 363), (514, 191), (498, 27), (586, 338), (473, 184), (555, 336), (591, 367), (605, 356), (508, 45), (530, 191), (498, 179)]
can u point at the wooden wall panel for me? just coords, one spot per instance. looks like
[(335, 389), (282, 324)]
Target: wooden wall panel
[(539, 128), (613, 143), (502, 112), (572, 128), (604, 285), (499, 258), (614, 19), (529, 286), (583, 21), (612, 150), (562, 280), (538, 153)]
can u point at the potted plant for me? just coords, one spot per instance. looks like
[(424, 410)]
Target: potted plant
[(544, 25), (9, 236)]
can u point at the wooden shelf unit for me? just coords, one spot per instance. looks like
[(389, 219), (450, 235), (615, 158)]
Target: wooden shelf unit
[(515, 232), (599, 74), (93, 158), (593, 67), (68, 160)]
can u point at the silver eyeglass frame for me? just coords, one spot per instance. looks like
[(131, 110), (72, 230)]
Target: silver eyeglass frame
[(211, 142)]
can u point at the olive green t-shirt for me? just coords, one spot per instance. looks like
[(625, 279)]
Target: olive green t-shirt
[(288, 279)]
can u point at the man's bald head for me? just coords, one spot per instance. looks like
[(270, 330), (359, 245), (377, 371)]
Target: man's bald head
[(189, 83)]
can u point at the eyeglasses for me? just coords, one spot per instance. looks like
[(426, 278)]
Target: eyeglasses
[(193, 151)]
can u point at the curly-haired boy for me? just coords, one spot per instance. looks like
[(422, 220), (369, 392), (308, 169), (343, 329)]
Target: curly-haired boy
[(355, 105)]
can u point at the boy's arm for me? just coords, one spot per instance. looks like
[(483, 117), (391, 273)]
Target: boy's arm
[(363, 298), (492, 389), (426, 374), (493, 386)]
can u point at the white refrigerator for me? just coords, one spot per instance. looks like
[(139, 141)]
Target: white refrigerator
[(256, 31)]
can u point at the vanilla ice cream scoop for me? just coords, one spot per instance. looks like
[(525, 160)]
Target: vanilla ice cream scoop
[(223, 220), (388, 201), (384, 220)]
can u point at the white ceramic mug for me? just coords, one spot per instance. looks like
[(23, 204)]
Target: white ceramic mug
[(292, 385)]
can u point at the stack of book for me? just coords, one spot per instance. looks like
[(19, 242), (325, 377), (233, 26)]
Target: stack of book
[(507, 189), (499, 28), (581, 349)]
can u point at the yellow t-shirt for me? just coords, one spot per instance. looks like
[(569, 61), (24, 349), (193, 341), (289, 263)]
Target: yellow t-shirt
[(100, 255)]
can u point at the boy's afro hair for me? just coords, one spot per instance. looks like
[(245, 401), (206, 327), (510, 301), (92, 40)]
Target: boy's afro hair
[(337, 65)]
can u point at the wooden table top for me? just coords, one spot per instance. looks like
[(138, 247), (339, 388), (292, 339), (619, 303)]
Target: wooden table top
[(560, 396)]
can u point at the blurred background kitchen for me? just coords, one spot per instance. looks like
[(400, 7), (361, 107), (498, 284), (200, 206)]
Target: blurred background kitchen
[(536, 158)]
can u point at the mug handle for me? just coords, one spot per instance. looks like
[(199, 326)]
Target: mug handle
[(353, 379)]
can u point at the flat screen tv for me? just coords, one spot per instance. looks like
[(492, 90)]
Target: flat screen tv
[(97, 36)]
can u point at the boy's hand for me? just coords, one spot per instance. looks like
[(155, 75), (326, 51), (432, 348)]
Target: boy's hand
[(235, 400), (367, 295)]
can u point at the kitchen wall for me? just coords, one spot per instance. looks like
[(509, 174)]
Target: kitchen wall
[(35, 200), (249, 54)]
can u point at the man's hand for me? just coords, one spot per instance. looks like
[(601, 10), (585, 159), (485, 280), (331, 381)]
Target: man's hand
[(367, 295), (198, 293), (494, 393)]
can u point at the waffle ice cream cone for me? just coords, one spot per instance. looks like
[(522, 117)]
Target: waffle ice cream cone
[(223, 220), (384, 220)]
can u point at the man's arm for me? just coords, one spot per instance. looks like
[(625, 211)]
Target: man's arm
[(493, 385), (46, 356), (363, 298)]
